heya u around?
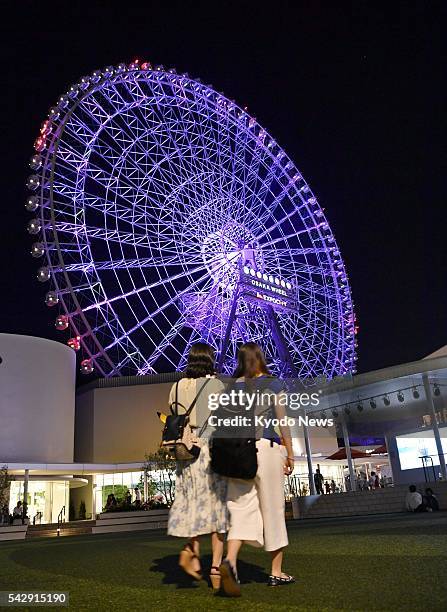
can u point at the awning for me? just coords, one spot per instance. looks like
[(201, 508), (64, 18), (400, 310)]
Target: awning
[(355, 454)]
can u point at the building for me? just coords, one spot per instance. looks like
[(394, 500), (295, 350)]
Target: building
[(65, 448)]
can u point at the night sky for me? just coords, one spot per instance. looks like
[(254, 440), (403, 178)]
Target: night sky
[(354, 92)]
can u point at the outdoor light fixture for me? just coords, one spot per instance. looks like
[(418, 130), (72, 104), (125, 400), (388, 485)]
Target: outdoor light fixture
[(347, 410), (400, 396), (334, 413), (360, 407), (372, 403), (415, 393), (436, 390), (386, 400)]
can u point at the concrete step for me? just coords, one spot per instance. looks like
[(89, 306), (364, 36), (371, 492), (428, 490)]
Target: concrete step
[(49, 530), (379, 501)]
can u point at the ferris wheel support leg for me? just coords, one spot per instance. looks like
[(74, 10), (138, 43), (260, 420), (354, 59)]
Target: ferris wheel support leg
[(286, 358), (226, 340)]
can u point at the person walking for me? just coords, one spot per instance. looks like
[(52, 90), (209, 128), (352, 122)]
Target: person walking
[(318, 480), (257, 506), (199, 506)]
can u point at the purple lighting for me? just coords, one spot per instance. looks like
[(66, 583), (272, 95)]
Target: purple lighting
[(154, 193)]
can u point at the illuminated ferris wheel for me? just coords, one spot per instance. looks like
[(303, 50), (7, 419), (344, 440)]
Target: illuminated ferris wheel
[(168, 215)]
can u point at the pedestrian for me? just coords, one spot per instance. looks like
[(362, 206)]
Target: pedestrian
[(257, 506), (318, 480), (199, 506)]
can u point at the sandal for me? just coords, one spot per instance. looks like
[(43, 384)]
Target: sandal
[(187, 556), (274, 581), (215, 578), (230, 582)]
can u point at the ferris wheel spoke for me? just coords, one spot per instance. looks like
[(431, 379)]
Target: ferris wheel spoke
[(168, 339), (155, 312), (127, 264), (283, 238), (165, 281), (279, 222)]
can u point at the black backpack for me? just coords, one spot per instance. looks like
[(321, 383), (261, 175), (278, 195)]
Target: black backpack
[(234, 456), (177, 436)]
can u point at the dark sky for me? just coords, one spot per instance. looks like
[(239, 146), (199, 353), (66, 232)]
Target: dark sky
[(354, 92)]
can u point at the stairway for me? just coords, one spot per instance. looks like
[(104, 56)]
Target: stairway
[(357, 503), (69, 528)]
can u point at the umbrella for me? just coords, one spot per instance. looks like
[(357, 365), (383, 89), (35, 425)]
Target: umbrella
[(355, 454), (380, 450)]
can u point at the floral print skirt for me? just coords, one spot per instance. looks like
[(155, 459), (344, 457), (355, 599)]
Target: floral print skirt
[(200, 503)]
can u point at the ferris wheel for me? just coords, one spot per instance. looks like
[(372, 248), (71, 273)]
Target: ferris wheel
[(167, 215)]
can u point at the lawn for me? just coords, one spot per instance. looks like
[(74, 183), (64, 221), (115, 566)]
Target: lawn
[(387, 563)]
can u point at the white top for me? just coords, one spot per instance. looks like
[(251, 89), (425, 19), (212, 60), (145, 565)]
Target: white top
[(413, 500), (187, 391), (18, 510)]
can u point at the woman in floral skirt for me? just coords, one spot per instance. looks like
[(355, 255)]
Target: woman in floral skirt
[(199, 506)]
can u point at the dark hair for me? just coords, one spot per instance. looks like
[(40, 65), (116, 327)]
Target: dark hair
[(429, 490), (250, 361), (412, 488), (201, 359)]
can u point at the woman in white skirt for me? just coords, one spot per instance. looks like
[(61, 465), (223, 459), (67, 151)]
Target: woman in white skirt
[(257, 507), (199, 506)]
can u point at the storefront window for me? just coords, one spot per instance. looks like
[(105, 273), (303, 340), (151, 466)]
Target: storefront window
[(45, 499)]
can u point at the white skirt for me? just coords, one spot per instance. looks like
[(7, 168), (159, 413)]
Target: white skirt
[(257, 507)]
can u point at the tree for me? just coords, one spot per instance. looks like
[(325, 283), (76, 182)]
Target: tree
[(5, 480), (160, 470)]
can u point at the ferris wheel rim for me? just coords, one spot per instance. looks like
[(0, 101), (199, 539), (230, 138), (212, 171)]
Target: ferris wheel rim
[(68, 284)]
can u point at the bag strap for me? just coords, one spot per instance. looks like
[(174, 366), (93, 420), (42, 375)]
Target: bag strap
[(188, 412), (175, 412)]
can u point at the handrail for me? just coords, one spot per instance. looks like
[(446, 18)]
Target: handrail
[(60, 520)]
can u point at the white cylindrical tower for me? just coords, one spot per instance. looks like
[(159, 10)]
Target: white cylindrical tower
[(37, 400)]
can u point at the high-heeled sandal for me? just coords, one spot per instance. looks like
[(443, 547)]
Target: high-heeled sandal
[(215, 578), (230, 581), (187, 556)]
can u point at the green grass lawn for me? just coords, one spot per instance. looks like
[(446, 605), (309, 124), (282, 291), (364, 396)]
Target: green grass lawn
[(387, 563)]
